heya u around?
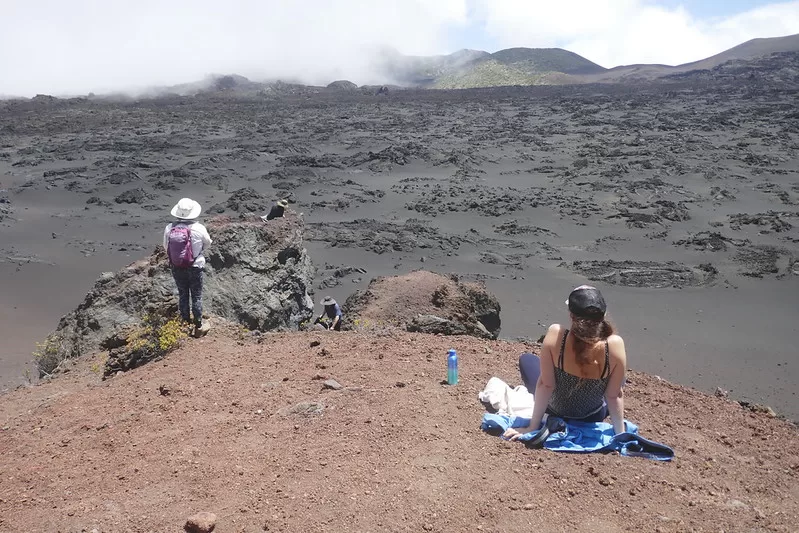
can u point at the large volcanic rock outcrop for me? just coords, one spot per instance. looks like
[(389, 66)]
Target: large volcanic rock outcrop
[(425, 302), (256, 274)]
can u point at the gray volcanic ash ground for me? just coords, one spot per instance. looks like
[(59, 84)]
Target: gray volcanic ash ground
[(679, 200)]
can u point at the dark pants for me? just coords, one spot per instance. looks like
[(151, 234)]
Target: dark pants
[(190, 286), (530, 369)]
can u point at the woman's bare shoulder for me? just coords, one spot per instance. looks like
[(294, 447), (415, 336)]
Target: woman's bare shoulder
[(616, 345), (615, 340), (552, 334)]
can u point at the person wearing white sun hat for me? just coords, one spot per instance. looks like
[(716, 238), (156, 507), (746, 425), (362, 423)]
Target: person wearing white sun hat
[(185, 242), (580, 373), (333, 312)]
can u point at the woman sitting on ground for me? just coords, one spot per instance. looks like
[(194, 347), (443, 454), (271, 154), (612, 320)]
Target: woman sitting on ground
[(581, 370)]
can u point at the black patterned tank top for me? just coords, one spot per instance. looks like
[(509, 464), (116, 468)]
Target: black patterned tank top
[(576, 397)]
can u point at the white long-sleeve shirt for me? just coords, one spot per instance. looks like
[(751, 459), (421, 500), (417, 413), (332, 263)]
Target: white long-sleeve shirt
[(200, 241)]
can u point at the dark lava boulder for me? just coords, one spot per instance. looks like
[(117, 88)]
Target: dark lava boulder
[(342, 85), (256, 275), (245, 200), (425, 302), (134, 196), (5, 206)]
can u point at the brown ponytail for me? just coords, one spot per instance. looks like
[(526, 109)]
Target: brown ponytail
[(587, 332)]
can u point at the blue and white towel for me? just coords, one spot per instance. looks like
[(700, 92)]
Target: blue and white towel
[(585, 437)]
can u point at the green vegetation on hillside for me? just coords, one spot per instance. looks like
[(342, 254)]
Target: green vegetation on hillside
[(534, 60), (492, 73)]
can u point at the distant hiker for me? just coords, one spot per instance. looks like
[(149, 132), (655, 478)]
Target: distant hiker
[(333, 312), (185, 240), (277, 210), (581, 371)]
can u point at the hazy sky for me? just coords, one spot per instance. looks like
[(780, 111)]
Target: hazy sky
[(77, 46)]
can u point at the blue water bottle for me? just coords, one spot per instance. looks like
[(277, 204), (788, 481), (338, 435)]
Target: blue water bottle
[(452, 367)]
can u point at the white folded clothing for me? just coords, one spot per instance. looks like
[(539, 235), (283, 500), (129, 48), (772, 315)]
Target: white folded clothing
[(507, 401)]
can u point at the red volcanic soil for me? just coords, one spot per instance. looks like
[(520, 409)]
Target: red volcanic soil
[(244, 427)]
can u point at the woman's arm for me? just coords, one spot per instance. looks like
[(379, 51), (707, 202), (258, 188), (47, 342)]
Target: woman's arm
[(545, 385), (206, 238), (614, 393), (546, 381), (166, 236)]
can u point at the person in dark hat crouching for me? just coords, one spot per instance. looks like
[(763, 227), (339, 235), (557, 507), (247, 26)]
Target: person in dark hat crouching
[(277, 211), (581, 370), (333, 314)]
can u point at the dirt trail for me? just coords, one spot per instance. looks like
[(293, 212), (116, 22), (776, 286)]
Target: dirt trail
[(242, 426)]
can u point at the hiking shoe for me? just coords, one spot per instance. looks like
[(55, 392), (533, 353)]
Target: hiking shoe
[(202, 329)]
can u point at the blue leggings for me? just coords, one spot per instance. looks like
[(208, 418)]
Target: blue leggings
[(530, 369), (190, 293)]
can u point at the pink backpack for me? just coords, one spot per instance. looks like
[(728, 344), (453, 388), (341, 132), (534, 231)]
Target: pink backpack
[(179, 246)]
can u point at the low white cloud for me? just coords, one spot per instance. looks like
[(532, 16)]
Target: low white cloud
[(77, 46), (621, 32)]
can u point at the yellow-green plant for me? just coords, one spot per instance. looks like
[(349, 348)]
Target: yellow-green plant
[(170, 334), (154, 337), (48, 355)]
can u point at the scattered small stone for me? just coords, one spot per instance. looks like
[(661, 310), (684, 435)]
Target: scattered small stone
[(332, 384), (303, 409), (164, 390), (202, 522), (736, 504), (759, 408), (721, 393), (318, 377), (400, 384), (605, 482), (428, 527), (529, 506), (314, 344)]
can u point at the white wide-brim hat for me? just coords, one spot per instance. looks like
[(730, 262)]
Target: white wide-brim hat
[(186, 209)]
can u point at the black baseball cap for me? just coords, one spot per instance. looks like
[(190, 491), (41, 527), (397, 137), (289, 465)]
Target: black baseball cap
[(587, 302)]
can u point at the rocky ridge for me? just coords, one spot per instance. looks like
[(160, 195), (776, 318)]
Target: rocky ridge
[(425, 302), (257, 275)]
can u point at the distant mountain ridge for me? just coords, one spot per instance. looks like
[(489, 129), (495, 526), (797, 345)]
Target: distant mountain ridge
[(476, 68), (466, 69)]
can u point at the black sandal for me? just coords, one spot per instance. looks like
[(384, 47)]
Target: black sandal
[(553, 425)]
